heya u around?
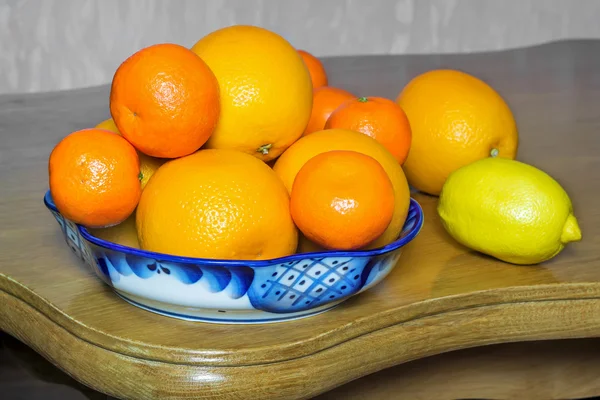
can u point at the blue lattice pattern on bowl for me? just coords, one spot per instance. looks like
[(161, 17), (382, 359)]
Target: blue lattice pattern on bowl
[(232, 291)]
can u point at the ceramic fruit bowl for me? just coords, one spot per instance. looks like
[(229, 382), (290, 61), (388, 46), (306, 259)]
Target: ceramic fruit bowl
[(231, 291)]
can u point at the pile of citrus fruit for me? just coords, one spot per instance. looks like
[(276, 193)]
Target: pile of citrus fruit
[(237, 148)]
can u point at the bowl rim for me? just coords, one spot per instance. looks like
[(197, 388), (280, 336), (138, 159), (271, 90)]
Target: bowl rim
[(162, 257)]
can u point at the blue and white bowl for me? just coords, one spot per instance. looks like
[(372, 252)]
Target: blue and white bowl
[(231, 291)]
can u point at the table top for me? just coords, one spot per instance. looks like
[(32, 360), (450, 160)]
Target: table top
[(439, 297)]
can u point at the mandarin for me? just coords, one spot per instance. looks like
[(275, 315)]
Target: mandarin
[(165, 100), (325, 100), (318, 75), (94, 177), (290, 162), (342, 200), (377, 117)]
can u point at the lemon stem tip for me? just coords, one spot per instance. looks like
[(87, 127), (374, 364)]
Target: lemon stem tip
[(494, 153), (571, 231)]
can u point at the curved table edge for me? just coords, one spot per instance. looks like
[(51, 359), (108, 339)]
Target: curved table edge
[(124, 376), (289, 351)]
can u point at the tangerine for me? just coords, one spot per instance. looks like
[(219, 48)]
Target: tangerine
[(165, 100), (325, 100), (380, 118), (94, 177), (318, 75), (290, 162), (342, 200)]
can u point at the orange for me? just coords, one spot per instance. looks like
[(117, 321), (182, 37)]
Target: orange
[(290, 162), (456, 119), (380, 118), (266, 92), (221, 204), (318, 75), (325, 100), (148, 165), (342, 200), (165, 100), (94, 177)]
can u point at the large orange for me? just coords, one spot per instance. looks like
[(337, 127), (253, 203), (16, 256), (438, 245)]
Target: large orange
[(148, 165), (290, 162), (325, 100), (342, 200), (455, 119), (165, 100), (266, 91), (94, 177), (380, 118), (318, 75), (221, 204)]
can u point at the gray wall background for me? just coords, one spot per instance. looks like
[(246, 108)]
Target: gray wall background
[(50, 45)]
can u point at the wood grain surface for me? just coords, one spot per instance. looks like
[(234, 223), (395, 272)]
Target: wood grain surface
[(440, 297), (542, 370)]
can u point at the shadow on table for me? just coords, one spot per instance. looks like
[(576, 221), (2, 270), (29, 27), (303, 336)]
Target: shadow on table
[(25, 375)]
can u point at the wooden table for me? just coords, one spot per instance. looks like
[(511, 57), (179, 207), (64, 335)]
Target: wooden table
[(440, 297)]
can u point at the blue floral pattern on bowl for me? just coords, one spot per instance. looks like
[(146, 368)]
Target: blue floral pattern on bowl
[(233, 291)]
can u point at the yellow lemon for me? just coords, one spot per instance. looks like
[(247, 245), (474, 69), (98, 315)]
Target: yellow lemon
[(509, 210), (109, 125), (124, 233), (148, 165)]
